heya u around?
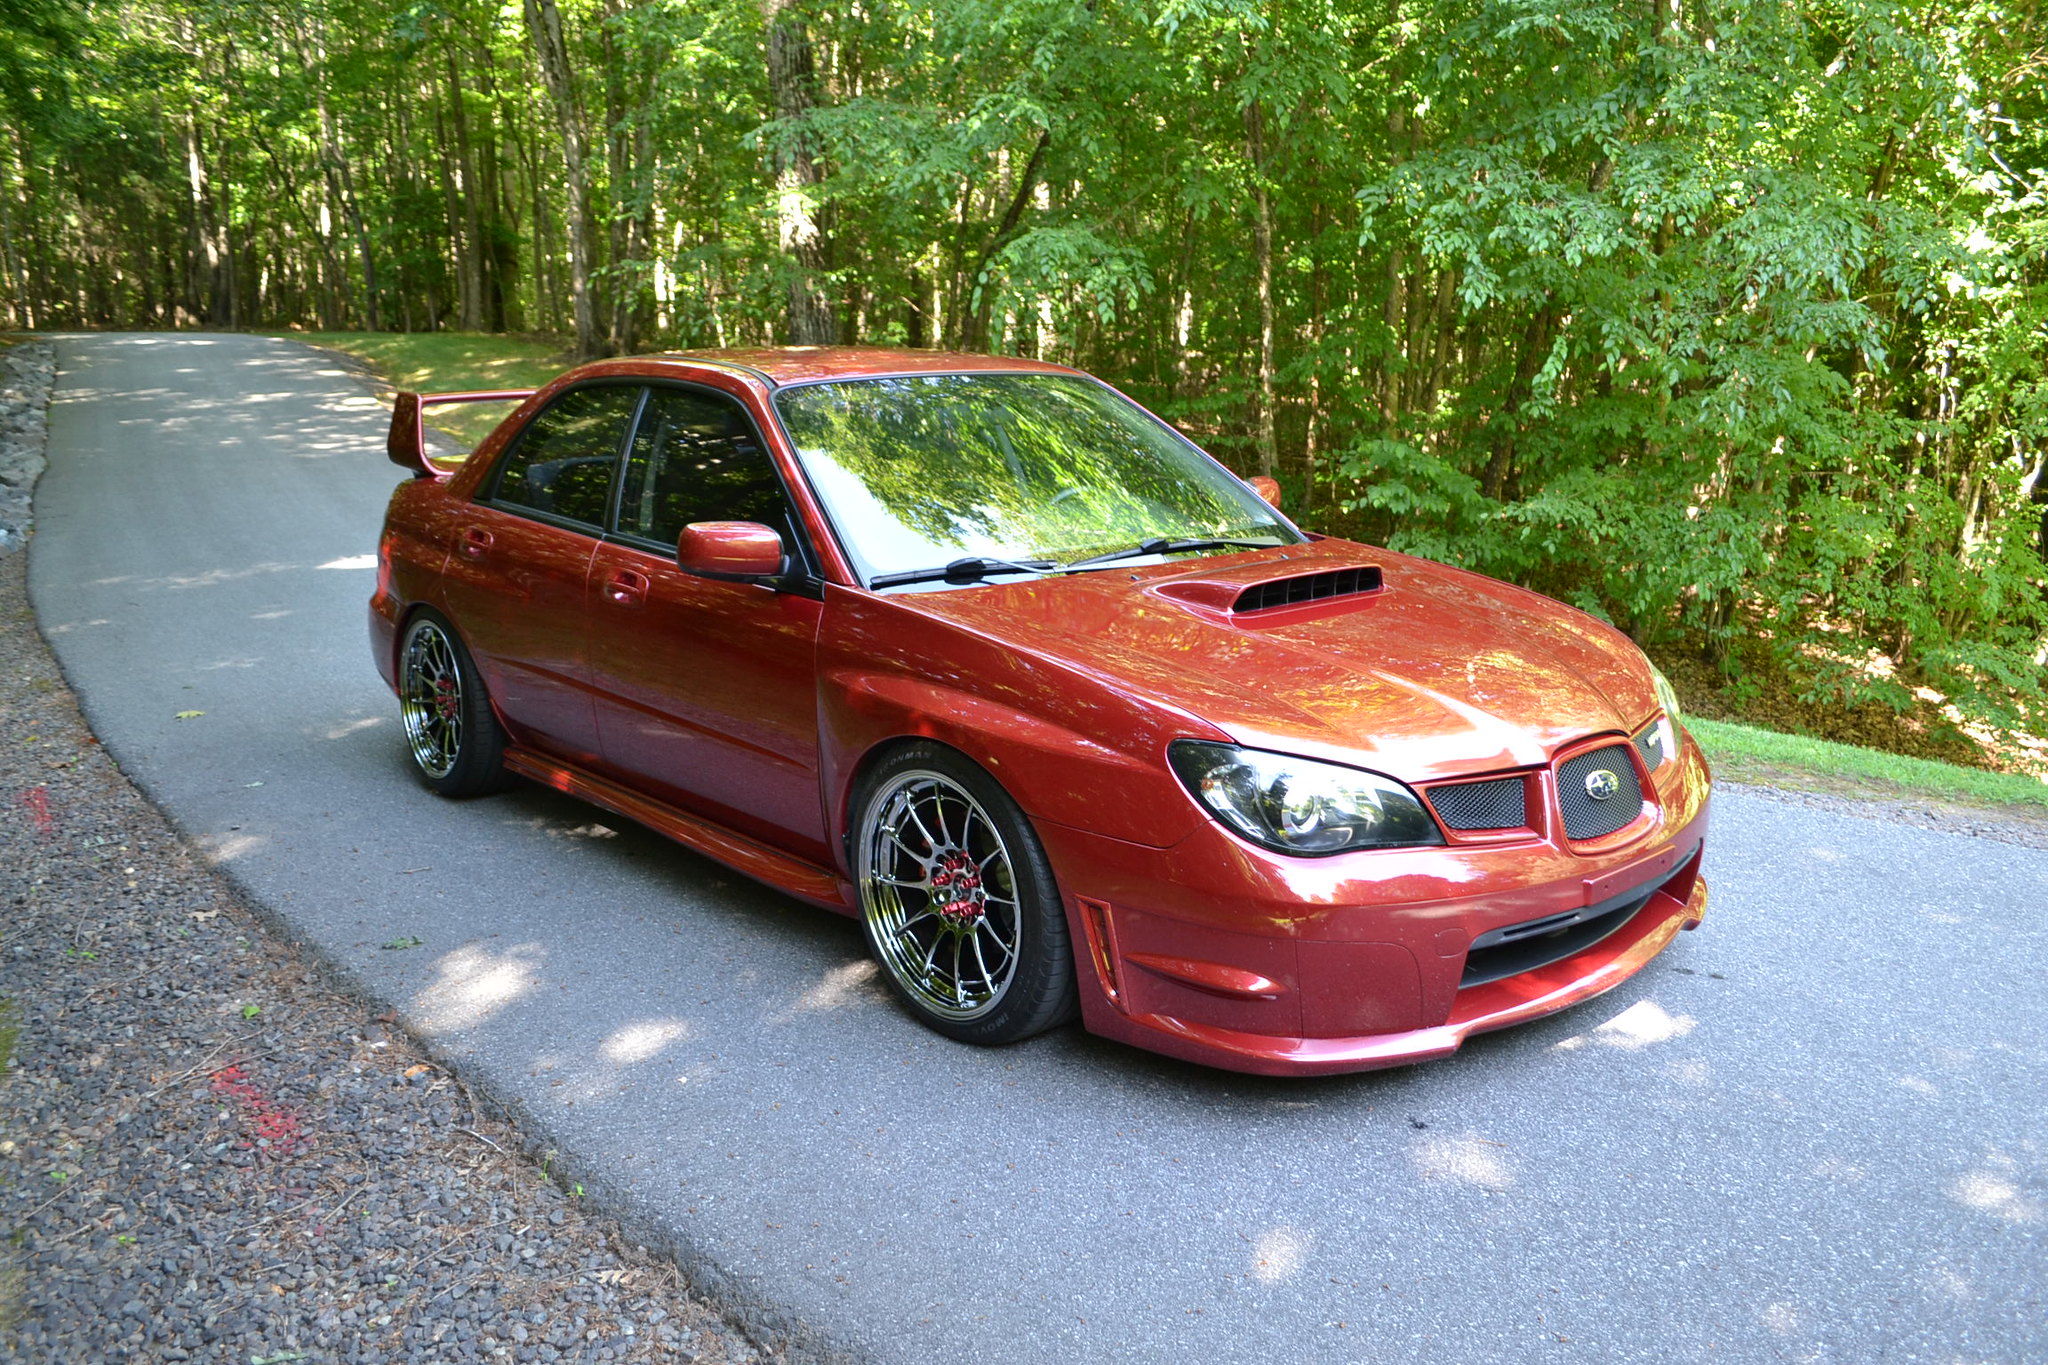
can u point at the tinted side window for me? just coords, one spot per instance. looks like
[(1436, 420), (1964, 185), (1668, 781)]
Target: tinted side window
[(695, 459), (566, 458)]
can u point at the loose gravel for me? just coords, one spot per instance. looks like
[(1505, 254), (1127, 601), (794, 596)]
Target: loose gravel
[(26, 373), (208, 1154)]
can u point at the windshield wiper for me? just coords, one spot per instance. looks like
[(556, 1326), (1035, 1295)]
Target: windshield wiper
[(1160, 546), (969, 570)]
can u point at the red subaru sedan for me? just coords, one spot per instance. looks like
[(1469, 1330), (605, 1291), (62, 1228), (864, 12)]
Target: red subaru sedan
[(1075, 721)]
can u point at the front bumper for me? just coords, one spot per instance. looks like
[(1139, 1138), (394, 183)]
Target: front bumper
[(1218, 953)]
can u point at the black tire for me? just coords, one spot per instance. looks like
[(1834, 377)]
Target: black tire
[(453, 735), (938, 903)]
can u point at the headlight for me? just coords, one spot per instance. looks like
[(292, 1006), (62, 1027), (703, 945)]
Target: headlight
[(1667, 695), (1297, 805)]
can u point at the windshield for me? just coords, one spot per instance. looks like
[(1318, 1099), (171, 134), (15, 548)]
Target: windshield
[(922, 470)]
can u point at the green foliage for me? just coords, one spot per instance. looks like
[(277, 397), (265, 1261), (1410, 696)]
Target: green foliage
[(1726, 320)]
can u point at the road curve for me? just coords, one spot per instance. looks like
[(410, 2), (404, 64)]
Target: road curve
[(1813, 1130)]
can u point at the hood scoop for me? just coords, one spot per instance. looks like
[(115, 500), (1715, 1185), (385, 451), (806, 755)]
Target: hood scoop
[(1237, 598), (1302, 589)]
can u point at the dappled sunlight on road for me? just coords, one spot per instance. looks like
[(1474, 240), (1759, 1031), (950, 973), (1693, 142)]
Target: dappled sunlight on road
[(1280, 1254), (350, 727), (473, 983), (1996, 1192), (844, 986), (225, 848), (269, 408), (555, 828), (621, 1063), (1781, 1318), (1946, 1284), (350, 562), (638, 1042), (1465, 1160), (1641, 1025), (206, 579)]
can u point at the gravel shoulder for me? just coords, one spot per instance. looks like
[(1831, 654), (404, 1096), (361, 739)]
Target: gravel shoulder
[(207, 1152)]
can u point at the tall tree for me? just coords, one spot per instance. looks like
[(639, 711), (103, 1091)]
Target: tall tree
[(544, 23)]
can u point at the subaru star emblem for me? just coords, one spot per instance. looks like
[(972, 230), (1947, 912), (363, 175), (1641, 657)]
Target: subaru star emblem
[(1602, 784)]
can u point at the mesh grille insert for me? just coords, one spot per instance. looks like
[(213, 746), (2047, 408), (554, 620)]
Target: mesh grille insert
[(1498, 803), (1586, 816), (1308, 587), (1650, 744)]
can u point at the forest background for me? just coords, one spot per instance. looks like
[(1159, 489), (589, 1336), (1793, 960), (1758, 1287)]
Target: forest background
[(1727, 321)]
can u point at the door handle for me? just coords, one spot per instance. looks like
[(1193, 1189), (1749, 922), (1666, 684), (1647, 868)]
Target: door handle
[(627, 588), (475, 542)]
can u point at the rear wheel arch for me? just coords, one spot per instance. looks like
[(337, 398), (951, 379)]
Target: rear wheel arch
[(451, 724)]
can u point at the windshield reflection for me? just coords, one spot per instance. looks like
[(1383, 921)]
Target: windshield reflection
[(919, 471)]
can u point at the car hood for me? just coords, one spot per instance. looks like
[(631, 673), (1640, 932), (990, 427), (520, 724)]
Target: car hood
[(1435, 673)]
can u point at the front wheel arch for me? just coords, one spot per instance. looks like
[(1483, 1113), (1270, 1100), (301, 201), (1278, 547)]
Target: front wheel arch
[(960, 866)]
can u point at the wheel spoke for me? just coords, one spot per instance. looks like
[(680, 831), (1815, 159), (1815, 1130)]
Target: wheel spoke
[(988, 977), (896, 838), (910, 809)]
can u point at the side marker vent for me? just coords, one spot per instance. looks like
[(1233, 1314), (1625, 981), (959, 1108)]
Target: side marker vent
[(1309, 587)]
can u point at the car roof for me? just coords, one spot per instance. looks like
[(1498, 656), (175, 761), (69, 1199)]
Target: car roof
[(799, 364)]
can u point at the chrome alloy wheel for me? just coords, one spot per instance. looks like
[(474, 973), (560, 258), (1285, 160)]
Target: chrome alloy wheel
[(431, 689), (940, 895)]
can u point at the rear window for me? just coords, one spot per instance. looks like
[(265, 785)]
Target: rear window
[(566, 459)]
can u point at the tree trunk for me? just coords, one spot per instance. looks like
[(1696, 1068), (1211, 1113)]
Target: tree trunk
[(1535, 347), (1262, 248), (974, 327), (544, 23), (471, 262), (792, 80)]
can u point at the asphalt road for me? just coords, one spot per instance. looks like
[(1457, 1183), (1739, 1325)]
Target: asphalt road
[(1813, 1130)]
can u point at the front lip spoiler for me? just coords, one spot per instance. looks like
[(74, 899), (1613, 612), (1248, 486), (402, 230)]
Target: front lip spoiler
[(1478, 1009)]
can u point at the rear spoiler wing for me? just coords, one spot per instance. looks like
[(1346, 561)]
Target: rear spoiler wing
[(408, 444)]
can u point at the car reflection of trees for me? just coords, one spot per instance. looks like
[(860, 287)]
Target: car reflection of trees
[(1035, 464)]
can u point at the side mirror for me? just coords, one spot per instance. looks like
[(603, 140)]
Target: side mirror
[(1266, 487), (730, 549)]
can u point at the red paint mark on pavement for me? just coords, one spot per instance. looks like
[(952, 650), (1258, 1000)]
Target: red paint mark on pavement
[(274, 1130), (36, 800)]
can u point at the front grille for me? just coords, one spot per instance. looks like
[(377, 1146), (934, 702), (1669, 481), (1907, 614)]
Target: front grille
[(1498, 803), (1650, 744), (1586, 816), (1308, 587)]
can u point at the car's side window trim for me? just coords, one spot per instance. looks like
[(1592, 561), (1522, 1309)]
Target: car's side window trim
[(488, 493), (806, 553)]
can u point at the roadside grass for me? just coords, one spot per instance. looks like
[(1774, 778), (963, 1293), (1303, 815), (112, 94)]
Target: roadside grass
[(444, 362), (1743, 753)]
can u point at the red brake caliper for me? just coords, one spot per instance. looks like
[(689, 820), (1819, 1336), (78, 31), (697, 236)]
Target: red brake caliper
[(444, 698), (958, 878)]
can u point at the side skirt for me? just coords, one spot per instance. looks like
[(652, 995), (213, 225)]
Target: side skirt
[(821, 886)]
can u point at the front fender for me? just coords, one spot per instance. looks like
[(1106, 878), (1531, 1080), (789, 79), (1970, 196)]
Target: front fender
[(1069, 747)]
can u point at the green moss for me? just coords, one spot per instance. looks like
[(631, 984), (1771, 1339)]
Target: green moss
[(1743, 753)]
